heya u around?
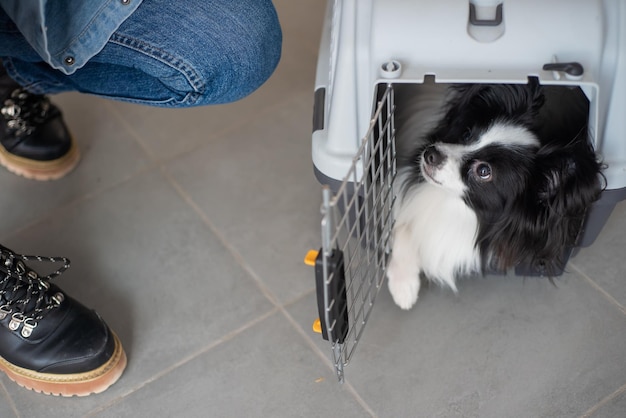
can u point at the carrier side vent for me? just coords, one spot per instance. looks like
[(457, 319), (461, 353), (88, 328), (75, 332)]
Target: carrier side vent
[(318, 109)]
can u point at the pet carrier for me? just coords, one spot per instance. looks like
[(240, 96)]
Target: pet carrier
[(370, 48)]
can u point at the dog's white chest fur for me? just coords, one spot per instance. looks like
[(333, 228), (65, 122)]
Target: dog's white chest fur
[(435, 234)]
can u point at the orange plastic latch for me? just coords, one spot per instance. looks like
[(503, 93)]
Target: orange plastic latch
[(310, 257), (317, 326)]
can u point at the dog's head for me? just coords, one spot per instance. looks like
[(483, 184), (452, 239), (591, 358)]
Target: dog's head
[(529, 189)]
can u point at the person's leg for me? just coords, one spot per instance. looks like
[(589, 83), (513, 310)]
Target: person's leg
[(174, 54), (34, 141), (165, 54)]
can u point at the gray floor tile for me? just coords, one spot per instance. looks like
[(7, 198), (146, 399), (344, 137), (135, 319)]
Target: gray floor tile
[(304, 312), (109, 155), (267, 371), (257, 185), (504, 347), (6, 408), (153, 269), (301, 22), (603, 261), (613, 408)]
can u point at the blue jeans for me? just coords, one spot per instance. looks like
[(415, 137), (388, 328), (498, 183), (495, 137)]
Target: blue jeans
[(168, 54)]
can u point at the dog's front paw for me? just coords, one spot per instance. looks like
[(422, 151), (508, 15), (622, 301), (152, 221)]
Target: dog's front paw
[(404, 290)]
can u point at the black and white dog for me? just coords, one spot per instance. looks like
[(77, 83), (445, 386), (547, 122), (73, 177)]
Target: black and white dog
[(503, 175)]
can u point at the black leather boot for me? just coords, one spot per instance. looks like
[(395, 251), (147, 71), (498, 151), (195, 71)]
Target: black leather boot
[(34, 141), (49, 342)]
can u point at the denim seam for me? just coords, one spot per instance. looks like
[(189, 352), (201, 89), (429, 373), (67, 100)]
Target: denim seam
[(191, 75), (34, 87), (71, 42)]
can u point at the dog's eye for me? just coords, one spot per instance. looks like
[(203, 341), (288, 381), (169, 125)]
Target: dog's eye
[(483, 171)]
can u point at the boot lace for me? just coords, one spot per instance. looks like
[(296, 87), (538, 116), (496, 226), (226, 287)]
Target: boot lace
[(24, 294), (24, 112)]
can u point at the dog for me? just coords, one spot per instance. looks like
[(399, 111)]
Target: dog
[(490, 176)]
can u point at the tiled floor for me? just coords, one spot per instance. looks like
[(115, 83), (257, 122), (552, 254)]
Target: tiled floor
[(187, 231)]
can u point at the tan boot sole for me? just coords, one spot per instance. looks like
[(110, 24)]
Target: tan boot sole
[(40, 170), (77, 384)]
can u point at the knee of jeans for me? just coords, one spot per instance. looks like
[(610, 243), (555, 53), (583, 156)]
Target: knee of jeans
[(245, 63), (231, 52)]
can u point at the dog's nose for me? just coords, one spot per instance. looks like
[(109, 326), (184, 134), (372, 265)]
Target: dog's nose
[(432, 156)]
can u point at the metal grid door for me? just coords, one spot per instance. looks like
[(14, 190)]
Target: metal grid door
[(356, 227)]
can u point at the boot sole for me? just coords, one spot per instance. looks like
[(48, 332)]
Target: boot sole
[(77, 384), (40, 170)]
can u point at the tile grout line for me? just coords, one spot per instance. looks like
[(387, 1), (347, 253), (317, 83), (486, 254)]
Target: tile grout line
[(217, 135), (129, 128), (326, 360), (222, 340), (220, 134), (152, 163), (79, 199), (324, 357), (261, 285), (232, 251), (600, 289), (10, 399), (604, 401)]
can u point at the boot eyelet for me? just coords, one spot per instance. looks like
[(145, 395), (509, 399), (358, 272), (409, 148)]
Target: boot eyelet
[(29, 326), (16, 321), (58, 298), (5, 311)]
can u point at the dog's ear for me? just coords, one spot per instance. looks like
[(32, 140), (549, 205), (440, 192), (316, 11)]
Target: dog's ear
[(567, 183), (567, 178), (540, 226), (557, 181)]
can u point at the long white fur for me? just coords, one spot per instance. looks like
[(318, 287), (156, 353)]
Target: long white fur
[(434, 233)]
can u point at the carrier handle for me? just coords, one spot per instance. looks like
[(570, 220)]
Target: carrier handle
[(474, 20)]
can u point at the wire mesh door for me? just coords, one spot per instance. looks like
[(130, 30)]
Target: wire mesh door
[(356, 227)]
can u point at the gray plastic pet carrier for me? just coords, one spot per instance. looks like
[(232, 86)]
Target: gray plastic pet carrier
[(370, 48)]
